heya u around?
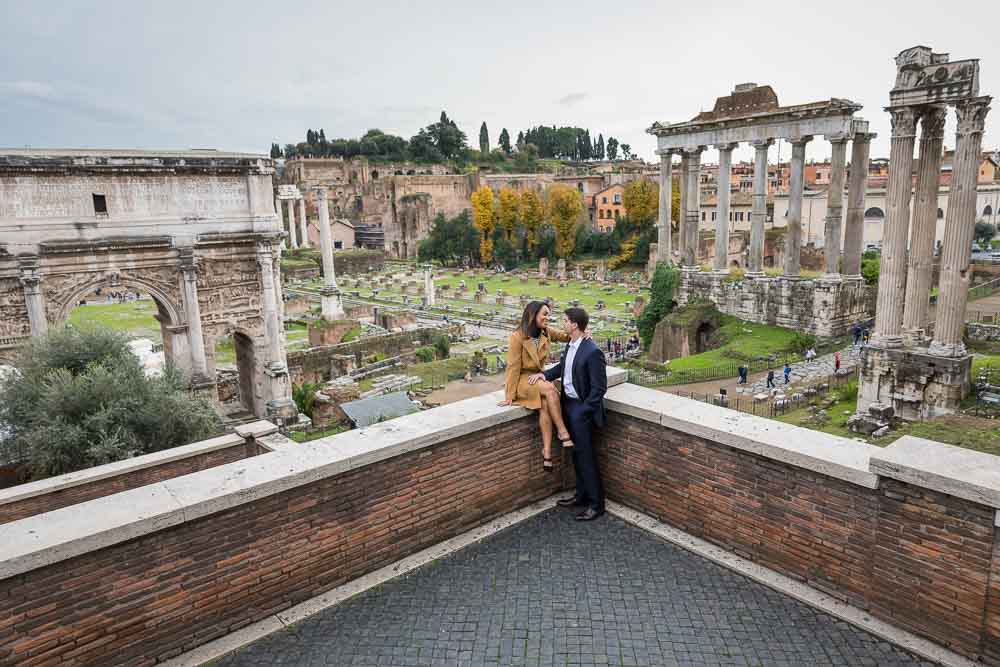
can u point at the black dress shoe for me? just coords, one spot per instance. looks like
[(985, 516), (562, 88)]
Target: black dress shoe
[(572, 501), (589, 514)]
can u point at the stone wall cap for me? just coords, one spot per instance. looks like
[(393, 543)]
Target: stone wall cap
[(823, 453), (956, 471), (123, 467), (257, 429)]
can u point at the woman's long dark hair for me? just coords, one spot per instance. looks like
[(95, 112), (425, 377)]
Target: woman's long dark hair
[(528, 325)]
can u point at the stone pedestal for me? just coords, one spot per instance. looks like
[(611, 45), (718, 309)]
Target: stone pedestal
[(543, 267), (914, 384), (561, 269)]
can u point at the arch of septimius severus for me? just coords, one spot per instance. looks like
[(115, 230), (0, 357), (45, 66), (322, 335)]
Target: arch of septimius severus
[(196, 230), (909, 371)]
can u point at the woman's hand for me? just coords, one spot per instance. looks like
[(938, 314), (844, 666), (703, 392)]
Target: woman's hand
[(505, 403), (587, 336), (532, 379)]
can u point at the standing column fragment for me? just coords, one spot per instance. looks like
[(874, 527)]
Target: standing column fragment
[(793, 235), (835, 207), (693, 209), (722, 208), (854, 231), (292, 235), (663, 233), (303, 224), (759, 215), (332, 307)]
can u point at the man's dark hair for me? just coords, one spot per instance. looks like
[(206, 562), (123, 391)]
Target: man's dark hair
[(578, 316)]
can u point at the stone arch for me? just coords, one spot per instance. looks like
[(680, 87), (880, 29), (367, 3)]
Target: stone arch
[(250, 354), (165, 303), (874, 213)]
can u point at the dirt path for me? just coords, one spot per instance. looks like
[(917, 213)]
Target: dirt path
[(458, 390)]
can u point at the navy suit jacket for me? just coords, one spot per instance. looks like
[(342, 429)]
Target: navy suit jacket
[(590, 377)]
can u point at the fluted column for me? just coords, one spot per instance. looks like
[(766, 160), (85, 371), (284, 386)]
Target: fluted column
[(722, 208), (31, 282), (332, 307), (958, 230), (921, 256), (834, 207), (892, 272), (793, 234), (759, 215), (192, 308), (303, 224), (693, 212), (269, 303), (292, 234), (854, 231), (682, 213), (664, 248)]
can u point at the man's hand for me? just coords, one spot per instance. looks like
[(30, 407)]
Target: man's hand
[(505, 402), (535, 378)]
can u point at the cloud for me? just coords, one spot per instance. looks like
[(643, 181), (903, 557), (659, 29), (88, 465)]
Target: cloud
[(32, 89), (571, 99)]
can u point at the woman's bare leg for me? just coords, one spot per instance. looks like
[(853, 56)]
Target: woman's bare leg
[(545, 424), (551, 401)]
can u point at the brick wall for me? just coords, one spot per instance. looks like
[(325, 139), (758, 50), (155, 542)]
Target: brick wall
[(919, 559), (155, 596), (20, 509)]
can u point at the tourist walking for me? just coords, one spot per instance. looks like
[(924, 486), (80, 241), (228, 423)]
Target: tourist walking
[(788, 372), (810, 354), (742, 370), (836, 361), (866, 336), (770, 378), (857, 335)]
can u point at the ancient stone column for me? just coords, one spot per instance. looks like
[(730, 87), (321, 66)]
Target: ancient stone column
[(192, 309), (756, 267), (958, 230), (269, 303), (722, 208), (682, 213), (663, 240), (429, 287), (921, 256), (293, 239), (892, 273), (834, 207), (332, 308), (33, 298), (793, 234), (693, 212), (854, 231), (303, 224)]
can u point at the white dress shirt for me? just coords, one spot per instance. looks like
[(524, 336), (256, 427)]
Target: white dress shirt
[(567, 378)]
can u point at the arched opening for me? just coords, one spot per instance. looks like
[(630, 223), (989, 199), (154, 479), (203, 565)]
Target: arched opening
[(703, 337), (988, 211), (874, 213), (245, 363), (940, 214), (235, 360), (375, 174)]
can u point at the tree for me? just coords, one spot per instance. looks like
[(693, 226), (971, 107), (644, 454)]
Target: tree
[(275, 151), (450, 241), (424, 149), (448, 139), (508, 211), (532, 215), (564, 206), (504, 142), (484, 140), (612, 148), (520, 140), (626, 152), (983, 232), (80, 398), (483, 216), (526, 160), (661, 301), (642, 202)]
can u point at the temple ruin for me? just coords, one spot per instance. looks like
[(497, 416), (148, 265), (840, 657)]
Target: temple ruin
[(915, 369), (196, 230), (751, 114)]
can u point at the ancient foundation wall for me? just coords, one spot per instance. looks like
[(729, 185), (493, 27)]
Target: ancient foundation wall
[(986, 333), (906, 532), (823, 308), (916, 385), (55, 492)]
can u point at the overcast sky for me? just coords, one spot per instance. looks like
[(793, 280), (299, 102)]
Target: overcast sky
[(237, 75)]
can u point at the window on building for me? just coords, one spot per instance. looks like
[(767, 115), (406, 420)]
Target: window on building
[(618, 214), (100, 204), (579, 186), (338, 245), (713, 216), (604, 200), (618, 198), (988, 211), (703, 216)]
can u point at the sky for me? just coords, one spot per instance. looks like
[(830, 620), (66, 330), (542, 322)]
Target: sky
[(239, 75)]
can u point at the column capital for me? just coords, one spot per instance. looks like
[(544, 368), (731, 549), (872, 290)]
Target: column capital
[(972, 114), (188, 260), (932, 121), (762, 144), (838, 138), (692, 151), (319, 191), (665, 153), (904, 121), (728, 147), (28, 266), (265, 251), (800, 141)]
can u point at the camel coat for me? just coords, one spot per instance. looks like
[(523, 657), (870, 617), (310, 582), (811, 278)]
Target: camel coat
[(523, 360)]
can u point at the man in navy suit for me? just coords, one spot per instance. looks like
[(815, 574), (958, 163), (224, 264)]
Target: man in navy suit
[(584, 382)]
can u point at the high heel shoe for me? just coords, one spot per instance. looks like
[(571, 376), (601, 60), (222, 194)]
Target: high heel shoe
[(547, 465), (567, 442)]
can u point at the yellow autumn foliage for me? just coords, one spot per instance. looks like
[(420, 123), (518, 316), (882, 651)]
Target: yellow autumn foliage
[(563, 208), (483, 218)]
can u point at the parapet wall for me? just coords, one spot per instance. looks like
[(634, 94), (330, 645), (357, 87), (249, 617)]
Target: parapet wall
[(820, 307), (906, 532)]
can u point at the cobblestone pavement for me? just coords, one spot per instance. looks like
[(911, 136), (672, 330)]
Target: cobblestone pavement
[(551, 591), (804, 373)]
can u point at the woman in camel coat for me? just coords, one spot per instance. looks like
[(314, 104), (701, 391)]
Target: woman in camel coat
[(527, 353)]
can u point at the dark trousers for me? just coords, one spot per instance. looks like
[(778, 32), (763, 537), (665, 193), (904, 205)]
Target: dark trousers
[(589, 487)]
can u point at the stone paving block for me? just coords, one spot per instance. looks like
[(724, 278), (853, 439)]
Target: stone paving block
[(551, 591)]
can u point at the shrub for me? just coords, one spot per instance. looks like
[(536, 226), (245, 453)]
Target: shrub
[(802, 341), (304, 396), (870, 270), (661, 301), (425, 354), (80, 399), (442, 344)]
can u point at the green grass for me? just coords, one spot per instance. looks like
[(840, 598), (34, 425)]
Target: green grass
[(308, 436), (743, 341), (133, 317), (433, 371)]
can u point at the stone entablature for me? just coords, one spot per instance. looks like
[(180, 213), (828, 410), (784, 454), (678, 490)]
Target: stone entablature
[(894, 531), (823, 308)]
